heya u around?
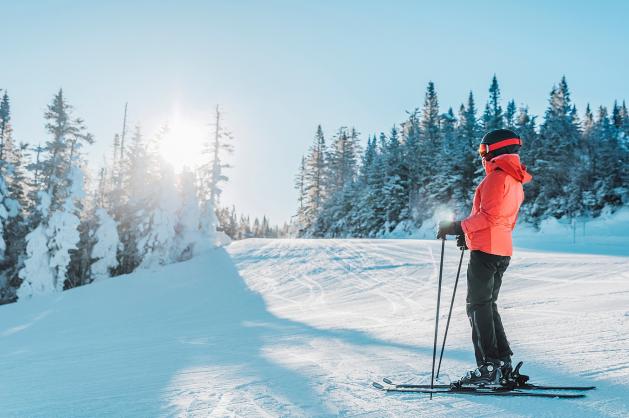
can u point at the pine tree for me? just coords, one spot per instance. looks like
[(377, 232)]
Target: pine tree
[(430, 121), (372, 201), (190, 237), (553, 159), (525, 127), (156, 235), (300, 186), (315, 180), (104, 252), (51, 245), (213, 171), (510, 114), (493, 117), (468, 133), (341, 162), (5, 123), (12, 205), (610, 188), (431, 156), (586, 170), (394, 187), (449, 176)]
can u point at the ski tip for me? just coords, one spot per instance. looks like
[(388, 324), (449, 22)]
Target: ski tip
[(378, 385), (387, 381)]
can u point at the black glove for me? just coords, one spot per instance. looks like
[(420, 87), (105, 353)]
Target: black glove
[(449, 228), (460, 242)]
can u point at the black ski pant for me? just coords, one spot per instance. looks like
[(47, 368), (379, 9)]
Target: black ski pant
[(484, 277)]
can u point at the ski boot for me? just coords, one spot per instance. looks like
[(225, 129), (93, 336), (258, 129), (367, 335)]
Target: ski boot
[(486, 375), (506, 370)]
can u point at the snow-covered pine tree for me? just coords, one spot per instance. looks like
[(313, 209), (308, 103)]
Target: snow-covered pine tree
[(430, 120), (233, 223), (449, 175), (369, 213), (16, 227), (114, 194), (341, 173), (468, 133), (228, 221), (373, 203), (622, 131), (158, 220), (525, 127), (5, 122), (624, 125), (413, 160), (554, 157), (510, 115), (51, 243), (265, 229), (300, 186), (188, 237), (342, 160), (493, 117), (12, 228), (394, 191), (104, 252), (431, 157), (139, 177), (610, 189), (315, 181), (581, 201)]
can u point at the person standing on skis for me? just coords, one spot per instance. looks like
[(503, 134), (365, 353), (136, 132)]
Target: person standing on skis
[(487, 233)]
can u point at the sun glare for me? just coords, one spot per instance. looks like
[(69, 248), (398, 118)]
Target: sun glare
[(182, 144)]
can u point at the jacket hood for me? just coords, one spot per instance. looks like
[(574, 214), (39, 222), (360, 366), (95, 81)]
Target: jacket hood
[(510, 164)]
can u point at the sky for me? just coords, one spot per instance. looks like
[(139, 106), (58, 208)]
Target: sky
[(279, 68)]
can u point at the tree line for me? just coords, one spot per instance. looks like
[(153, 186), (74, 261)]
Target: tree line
[(430, 161), (242, 227)]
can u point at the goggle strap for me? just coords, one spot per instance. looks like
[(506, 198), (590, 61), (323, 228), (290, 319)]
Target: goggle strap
[(501, 144)]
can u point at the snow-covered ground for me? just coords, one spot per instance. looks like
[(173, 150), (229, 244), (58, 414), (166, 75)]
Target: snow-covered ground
[(302, 328)]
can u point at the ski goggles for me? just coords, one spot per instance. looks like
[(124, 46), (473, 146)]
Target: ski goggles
[(484, 149)]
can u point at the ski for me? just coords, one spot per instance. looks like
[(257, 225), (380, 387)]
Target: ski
[(479, 392), (515, 375), (527, 386)]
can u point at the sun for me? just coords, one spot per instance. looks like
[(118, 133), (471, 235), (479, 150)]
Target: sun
[(182, 143)]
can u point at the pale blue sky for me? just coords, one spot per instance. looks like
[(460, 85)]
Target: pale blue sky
[(278, 68)]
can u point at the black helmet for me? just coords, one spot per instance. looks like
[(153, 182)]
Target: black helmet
[(498, 142)]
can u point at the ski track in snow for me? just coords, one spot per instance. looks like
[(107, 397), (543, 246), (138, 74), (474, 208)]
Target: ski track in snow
[(566, 316), (271, 328)]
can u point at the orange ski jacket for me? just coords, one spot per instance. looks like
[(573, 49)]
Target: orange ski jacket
[(497, 202)]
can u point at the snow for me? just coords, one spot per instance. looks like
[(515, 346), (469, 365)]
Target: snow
[(106, 248), (302, 328), (37, 275), (63, 237), (606, 234)]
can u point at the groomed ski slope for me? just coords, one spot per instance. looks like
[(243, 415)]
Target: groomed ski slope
[(302, 327)]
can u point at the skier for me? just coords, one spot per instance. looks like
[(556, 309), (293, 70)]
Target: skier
[(487, 233)]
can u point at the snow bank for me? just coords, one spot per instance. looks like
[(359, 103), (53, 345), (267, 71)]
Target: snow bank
[(118, 347), (607, 234)]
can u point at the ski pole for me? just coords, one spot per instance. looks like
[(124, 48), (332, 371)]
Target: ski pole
[(434, 347), (456, 282)]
